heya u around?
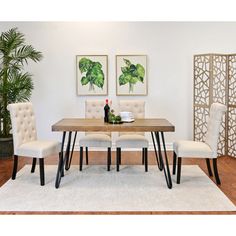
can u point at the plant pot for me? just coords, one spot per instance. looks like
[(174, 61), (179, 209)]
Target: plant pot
[(6, 148)]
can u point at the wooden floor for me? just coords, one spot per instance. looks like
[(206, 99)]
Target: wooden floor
[(226, 168)]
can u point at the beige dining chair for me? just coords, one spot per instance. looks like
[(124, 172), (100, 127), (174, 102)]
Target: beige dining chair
[(25, 138), (132, 139), (94, 109), (207, 149)]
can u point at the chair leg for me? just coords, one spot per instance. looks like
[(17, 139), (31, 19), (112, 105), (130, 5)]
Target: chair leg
[(59, 156), (108, 158), (33, 165), (81, 159), (174, 163), (216, 171), (86, 152), (146, 159), (209, 166), (15, 167), (41, 168), (179, 170), (143, 157), (118, 157)]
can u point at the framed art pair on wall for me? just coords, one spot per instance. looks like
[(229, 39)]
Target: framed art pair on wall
[(92, 75)]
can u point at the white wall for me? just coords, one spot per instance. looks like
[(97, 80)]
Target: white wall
[(170, 47)]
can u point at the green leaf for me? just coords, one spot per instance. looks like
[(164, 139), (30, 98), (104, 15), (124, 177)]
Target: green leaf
[(99, 79), (140, 70), (84, 80), (125, 69), (84, 64), (133, 80), (124, 79)]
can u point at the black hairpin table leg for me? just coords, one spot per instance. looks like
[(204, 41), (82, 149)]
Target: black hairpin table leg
[(67, 154), (68, 162), (60, 170), (162, 160), (155, 149)]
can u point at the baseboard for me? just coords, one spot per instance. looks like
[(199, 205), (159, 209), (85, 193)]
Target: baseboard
[(169, 147)]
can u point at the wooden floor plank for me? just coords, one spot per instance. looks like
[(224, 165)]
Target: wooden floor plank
[(226, 167)]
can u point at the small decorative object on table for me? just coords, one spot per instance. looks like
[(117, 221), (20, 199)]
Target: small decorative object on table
[(113, 119), (127, 116), (106, 111)]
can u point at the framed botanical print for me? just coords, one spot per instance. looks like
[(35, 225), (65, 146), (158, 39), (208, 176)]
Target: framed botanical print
[(131, 75), (91, 74)]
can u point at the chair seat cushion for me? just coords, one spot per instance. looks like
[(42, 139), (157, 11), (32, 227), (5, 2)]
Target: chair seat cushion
[(192, 149), (131, 141), (38, 149), (95, 140)]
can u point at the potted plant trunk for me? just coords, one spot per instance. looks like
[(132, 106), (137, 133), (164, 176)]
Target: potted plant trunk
[(16, 85)]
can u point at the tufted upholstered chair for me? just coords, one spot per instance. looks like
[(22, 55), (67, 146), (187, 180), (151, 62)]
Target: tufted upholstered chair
[(132, 139), (207, 149), (25, 138), (94, 109)]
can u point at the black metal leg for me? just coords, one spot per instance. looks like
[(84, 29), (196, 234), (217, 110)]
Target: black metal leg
[(41, 168), (209, 166), (118, 157), (67, 167), (15, 167), (174, 162), (81, 159), (108, 158), (33, 165), (216, 171), (146, 159), (179, 170), (67, 154), (143, 156), (86, 152), (155, 149), (60, 163), (166, 165), (161, 164)]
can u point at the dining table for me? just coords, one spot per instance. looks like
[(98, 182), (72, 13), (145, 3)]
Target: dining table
[(156, 126)]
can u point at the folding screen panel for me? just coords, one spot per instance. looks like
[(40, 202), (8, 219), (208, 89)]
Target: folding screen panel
[(215, 81)]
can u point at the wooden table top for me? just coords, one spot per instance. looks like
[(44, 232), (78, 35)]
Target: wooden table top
[(139, 125)]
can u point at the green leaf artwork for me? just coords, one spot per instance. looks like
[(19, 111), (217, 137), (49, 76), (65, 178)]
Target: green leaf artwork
[(131, 74), (93, 73)]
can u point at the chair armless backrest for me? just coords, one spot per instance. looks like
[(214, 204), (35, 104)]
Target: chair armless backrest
[(217, 111), (94, 109), (23, 123), (137, 107)]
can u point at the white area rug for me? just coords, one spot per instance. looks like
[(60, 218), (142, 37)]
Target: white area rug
[(95, 189)]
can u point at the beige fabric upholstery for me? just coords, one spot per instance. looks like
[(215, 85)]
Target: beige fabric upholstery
[(192, 149), (131, 141), (137, 107), (38, 149), (95, 140), (217, 111), (206, 149), (94, 109), (25, 134)]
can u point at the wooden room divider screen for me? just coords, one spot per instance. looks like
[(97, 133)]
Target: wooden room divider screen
[(215, 81)]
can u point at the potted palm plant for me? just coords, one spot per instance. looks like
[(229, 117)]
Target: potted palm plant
[(16, 85)]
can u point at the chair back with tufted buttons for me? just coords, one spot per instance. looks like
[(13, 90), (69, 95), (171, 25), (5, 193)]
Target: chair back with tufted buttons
[(23, 123), (137, 107), (217, 111), (94, 109)]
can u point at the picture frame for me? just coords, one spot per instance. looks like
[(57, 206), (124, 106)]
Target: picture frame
[(131, 75), (92, 75)]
